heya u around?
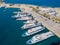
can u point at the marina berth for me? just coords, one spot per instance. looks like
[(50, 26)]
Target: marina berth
[(24, 18), (21, 14), (27, 26), (18, 15), (33, 31), (40, 37), (29, 21)]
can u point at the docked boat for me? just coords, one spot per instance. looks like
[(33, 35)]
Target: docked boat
[(24, 18), (29, 21), (21, 14), (27, 26), (40, 37), (33, 31)]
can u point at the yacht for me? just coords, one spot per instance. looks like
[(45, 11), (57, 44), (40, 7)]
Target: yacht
[(40, 37), (21, 14), (24, 18), (33, 31), (29, 21), (27, 26)]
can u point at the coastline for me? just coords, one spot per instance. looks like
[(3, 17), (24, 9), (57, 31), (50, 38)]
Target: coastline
[(49, 24)]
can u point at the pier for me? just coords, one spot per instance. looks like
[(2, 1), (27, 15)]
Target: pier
[(49, 24)]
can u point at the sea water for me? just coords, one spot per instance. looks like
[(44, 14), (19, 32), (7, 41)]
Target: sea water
[(50, 3), (10, 29)]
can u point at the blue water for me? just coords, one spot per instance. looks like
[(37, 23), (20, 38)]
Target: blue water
[(10, 29), (50, 3)]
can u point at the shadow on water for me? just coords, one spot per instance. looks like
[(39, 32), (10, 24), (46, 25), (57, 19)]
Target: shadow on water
[(49, 3)]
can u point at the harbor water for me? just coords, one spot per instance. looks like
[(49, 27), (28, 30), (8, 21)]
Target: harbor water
[(10, 29)]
